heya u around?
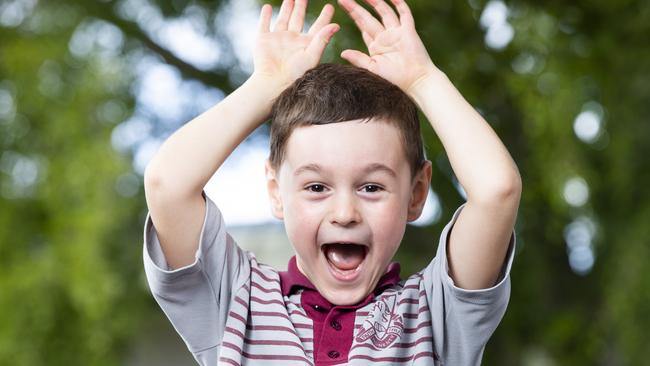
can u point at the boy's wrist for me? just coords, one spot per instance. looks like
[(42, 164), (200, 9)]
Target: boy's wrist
[(260, 92), (267, 83), (422, 86)]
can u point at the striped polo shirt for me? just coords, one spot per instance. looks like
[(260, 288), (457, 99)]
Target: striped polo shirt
[(231, 310)]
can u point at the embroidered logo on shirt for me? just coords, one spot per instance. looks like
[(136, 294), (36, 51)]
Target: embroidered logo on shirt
[(383, 326)]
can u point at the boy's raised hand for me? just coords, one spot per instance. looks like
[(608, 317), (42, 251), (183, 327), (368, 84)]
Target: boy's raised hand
[(286, 53), (396, 52)]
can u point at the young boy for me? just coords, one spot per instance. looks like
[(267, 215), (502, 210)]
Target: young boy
[(346, 173)]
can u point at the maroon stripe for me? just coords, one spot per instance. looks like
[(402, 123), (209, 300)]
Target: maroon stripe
[(266, 302), (275, 357), (425, 354), (227, 360), (266, 266), (235, 332), (237, 316), (303, 326), (419, 326), (270, 313), (269, 342), (421, 310), (423, 293), (281, 315), (231, 346), (264, 277), (271, 327), (396, 345), (407, 300), (298, 312), (413, 344), (241, 301), (392, 359), (267, 327), (264, 357), (381, 359), (268, 291)]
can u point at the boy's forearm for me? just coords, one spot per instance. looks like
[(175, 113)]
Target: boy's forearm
[(189, 157), (480, 161)]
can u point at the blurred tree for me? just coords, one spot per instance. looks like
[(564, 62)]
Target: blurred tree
[(72, 288), (71, 206)]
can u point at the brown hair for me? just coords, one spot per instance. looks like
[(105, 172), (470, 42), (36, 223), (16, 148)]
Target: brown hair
[(331, 93)]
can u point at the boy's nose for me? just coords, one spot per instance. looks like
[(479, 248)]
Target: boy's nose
[(345, 211)]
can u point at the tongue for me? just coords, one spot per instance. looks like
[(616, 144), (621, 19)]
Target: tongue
[(345, 256)]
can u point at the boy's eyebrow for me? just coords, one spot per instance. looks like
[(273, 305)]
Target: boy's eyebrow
[(369, 169)]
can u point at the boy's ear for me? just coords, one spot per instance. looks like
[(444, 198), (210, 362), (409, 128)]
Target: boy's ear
[(274, 190), (419, 191)]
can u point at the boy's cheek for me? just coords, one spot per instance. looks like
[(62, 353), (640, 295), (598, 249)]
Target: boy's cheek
[(389, 229)]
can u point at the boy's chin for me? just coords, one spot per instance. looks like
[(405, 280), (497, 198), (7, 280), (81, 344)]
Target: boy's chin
[(342, 297)]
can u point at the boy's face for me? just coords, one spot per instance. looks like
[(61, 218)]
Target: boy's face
[(345, 193)]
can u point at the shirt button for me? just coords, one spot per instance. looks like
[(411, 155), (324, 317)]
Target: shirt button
[(336, 325), (319, 308), (333, 354)]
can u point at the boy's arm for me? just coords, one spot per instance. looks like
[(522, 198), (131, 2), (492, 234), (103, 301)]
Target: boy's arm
[(479, 239), (175, 177)]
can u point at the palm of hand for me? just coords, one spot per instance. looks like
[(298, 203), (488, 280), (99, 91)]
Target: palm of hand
[(398, 57), (395, 51), (284, 55)]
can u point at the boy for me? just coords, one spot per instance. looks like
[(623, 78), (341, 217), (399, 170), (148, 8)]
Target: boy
[(346, 173)]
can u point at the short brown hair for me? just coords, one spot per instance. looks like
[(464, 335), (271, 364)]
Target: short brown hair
[(331, 93)]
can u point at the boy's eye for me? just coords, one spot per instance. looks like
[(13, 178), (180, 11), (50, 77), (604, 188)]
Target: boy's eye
[(371, 188), (317, 188)]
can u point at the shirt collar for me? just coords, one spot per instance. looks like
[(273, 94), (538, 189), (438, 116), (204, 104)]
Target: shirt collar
[(292, 279)]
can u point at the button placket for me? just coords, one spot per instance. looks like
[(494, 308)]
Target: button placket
[(331, 335)]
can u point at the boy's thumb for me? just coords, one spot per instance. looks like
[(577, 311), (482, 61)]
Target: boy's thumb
[(357, 58), (322, 39)]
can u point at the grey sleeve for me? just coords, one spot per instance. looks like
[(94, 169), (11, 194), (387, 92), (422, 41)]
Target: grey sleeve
[(196, 297), (463, 320)]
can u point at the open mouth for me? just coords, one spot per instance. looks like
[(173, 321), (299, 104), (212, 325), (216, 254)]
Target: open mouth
[(345, 259)]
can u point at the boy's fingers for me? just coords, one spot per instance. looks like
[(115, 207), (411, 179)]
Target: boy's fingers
[(405, 15), (357, 58), (322, 38), (265, 19), (362, 18), (297, 20), (283, 18), (387, 13), (324, 19)]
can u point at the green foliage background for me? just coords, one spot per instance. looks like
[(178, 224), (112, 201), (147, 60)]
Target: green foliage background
[(72, 207)]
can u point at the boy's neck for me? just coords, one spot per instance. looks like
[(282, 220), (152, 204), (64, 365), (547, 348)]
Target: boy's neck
[(293, 279)]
